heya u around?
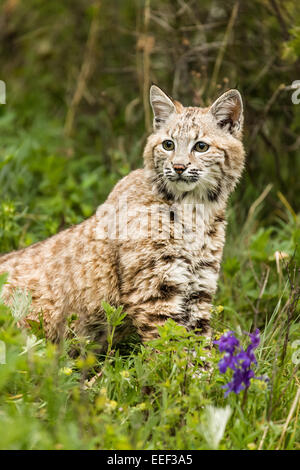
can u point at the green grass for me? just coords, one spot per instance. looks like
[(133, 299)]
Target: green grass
[(159, 396)]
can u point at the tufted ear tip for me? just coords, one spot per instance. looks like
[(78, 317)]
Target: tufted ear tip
[(228, 112), (154, 89), (162, 105)]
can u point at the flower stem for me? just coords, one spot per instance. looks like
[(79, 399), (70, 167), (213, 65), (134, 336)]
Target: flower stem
[(244, 398)]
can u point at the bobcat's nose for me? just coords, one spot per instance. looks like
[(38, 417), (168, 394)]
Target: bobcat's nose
[(179, 168)]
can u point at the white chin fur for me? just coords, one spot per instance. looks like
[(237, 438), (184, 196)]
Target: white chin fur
[(183, 186)]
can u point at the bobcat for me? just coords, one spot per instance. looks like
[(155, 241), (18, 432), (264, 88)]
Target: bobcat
[(142, 249)]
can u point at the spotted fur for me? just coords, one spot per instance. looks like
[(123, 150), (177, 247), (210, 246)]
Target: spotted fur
[(156, 275)]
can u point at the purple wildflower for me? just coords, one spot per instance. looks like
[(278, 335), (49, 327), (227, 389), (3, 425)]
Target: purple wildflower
[(255, 338), (238, 360), (240, 381), (228, 342), (228, 361), (245, 358)]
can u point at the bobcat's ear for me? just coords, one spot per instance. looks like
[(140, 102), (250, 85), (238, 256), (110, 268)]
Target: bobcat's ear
[(163, 106), (228, 112)]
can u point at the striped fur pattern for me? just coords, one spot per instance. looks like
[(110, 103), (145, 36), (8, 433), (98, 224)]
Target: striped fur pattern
[(155, 277)]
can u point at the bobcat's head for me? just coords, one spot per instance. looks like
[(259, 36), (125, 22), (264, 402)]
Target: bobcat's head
[(194, 150)]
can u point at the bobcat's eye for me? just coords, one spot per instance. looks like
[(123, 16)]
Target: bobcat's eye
[(168, 145), (201, 147)]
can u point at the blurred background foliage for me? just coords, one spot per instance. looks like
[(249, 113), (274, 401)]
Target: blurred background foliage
[(77, 111)]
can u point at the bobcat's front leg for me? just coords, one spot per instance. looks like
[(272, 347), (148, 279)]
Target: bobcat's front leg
[(192, 313), (166, 286), (148, 315)]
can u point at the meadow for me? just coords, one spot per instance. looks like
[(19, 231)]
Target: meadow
[(75, 121)]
